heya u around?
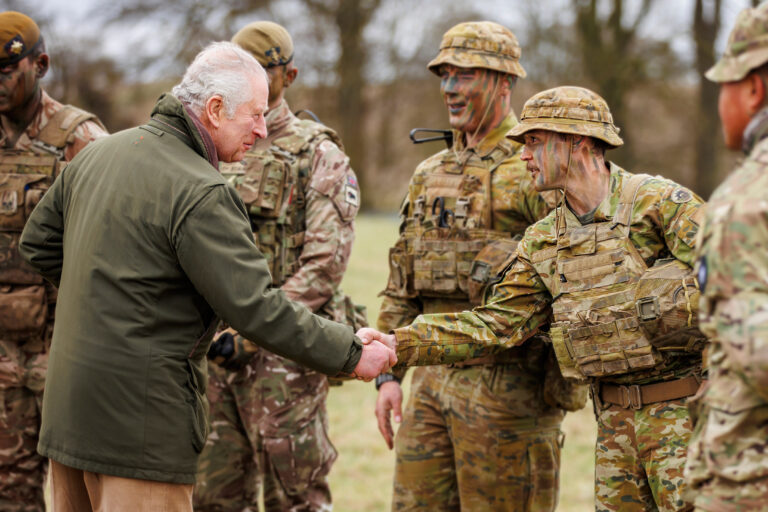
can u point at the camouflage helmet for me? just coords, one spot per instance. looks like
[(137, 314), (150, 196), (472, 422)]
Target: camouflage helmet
[(568, 109), (747, 46), (480, 44)]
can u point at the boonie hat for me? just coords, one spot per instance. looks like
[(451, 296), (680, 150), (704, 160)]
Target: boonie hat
[(747, 46)]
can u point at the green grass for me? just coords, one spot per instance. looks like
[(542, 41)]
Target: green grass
[(361, 479)]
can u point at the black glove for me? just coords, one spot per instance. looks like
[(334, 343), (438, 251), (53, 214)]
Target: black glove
[(230, 352)]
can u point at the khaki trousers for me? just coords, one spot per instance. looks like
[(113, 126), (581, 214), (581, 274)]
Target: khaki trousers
[(75, 490)]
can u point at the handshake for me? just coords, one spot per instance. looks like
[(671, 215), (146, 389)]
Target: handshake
[(378, 354)]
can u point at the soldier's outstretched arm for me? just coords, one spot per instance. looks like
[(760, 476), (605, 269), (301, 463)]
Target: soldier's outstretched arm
[(514, 311)]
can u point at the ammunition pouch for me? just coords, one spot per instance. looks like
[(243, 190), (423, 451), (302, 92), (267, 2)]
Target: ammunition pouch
[(263, 185), (667, 302), (23, 312), (489, 265), (569, 394)]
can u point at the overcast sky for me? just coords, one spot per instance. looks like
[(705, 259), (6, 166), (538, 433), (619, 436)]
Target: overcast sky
[(669, 20)]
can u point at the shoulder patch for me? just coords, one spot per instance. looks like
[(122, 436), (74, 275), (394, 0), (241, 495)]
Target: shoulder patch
[(681, 195), (351, 195)]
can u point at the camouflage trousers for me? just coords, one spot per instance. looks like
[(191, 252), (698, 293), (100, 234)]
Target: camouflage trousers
[(640, 456), (22, 470), (268, 428), (478, 438)]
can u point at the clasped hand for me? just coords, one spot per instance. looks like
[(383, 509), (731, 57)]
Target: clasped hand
[(378, 353)]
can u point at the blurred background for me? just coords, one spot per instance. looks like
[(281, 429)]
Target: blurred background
[(362, 70)]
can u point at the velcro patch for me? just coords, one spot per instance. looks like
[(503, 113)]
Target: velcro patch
[(351, 195), (9, 202), (681, 195)]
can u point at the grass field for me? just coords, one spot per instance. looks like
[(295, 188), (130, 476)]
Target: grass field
[(361, 479)]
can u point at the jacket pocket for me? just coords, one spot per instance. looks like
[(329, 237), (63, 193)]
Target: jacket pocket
[(199, 411)]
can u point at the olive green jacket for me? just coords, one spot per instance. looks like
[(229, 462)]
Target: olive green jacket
[(150, 246)]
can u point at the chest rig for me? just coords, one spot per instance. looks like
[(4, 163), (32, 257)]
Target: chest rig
[(612, 314), (272, 182), (25, 175), (449, 222)]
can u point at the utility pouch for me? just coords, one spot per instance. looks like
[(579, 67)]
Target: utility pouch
[(488, 266), (19, 194), (565, 360), (400, 268), (667, 304), (13, 268), (23, 311), (261, 185)]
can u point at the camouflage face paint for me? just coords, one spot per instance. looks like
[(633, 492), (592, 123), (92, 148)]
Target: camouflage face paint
[(546, 155), (18, 83), (469, 95)]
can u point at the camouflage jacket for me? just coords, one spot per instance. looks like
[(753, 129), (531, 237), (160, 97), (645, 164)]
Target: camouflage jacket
[(309, 237), (514, 206), (663, 224), (85, 132), (732, 435)]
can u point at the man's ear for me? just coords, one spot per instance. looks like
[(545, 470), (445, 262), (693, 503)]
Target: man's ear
[(290, 75), (42, 63), (757, 93), (214, 110)]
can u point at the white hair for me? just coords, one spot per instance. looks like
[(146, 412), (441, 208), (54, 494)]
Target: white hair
[(223, 69)]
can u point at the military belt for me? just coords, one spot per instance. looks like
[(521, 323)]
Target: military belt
[(511, 355), (639, 395)]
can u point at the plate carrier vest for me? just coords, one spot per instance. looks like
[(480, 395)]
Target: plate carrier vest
[(25, 303)]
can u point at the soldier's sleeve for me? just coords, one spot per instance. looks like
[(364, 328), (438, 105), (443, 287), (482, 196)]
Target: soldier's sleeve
[(678, 212), (517, 306), (238, 287), (738, 272), (86, 133), (42, 241), (333, 200)]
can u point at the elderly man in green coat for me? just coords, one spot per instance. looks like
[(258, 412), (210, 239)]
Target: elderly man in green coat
[(150, 248)]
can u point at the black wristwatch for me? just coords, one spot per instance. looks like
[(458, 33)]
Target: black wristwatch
[(385, 377)]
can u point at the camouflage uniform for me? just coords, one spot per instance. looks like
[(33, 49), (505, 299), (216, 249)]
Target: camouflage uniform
[(268, 420), (54, 136), (563, 268), (477, 435), (727, 466)]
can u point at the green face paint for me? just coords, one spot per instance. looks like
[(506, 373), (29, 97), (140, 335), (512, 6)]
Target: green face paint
[(546, 155), (468, 94)]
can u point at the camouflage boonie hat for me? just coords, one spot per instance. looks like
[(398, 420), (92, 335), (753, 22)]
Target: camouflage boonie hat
[(19, 36), (268, 42), (568, 109), (480, 44), (747, 46)]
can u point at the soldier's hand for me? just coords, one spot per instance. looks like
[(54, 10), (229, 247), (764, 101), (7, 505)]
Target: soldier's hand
[(376, 358), (390, 400), (368, 334), (230, 351)]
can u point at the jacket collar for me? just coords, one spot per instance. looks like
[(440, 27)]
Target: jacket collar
[(171, 116)]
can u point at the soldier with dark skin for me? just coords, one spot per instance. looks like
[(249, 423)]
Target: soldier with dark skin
[(727, 467), (38, 135), (609, 272), (269, 403), (482, 435)]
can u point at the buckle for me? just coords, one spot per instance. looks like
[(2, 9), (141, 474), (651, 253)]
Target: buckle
[(418, 207), (630, 397), (480, 271), (648, 308), (461, 209)]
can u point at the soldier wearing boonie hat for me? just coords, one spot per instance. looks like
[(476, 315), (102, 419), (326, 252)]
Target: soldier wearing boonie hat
[(37, 136), (727, 467), (608, 272), (303, 221), (464, 206)]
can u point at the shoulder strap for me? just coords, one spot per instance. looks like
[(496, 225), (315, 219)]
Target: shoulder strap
[(305, 134), (59, 129), (629, 189)]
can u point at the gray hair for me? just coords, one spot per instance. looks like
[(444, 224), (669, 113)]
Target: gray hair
[(223, 69)]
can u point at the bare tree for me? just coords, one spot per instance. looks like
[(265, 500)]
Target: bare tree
[(706, 26)]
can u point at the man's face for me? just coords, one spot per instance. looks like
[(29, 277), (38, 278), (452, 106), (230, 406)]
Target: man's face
[(467, 92), (235, 136), (546, 155), (18, 84), (734, 111)]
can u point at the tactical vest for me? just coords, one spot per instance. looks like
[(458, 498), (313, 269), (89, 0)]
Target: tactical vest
[(272, 183), (613, 315), (448, 224), (24, 178)]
